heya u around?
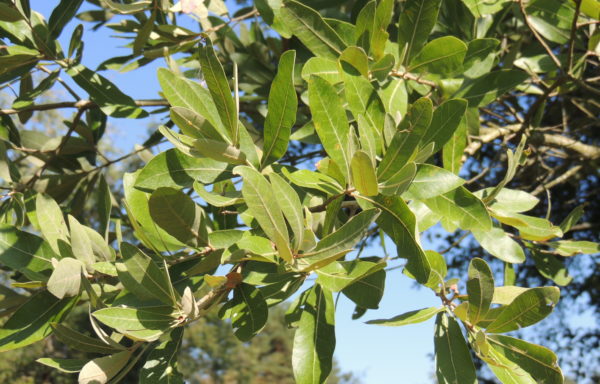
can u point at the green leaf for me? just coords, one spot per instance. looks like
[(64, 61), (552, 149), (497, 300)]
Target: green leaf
[(416, 22), (161, 363), (551, 267), (194, 125), (104, 207), (220, 151), (138, 323), (526, 309), (510, 200), (487, 88), (172, 168), (407, 137), (63, 365), (31, 321), (262, 205), (431, 181), (481, 8), (452, 357), (310, 28), (443, 56), (445, 121), (179, 216), (66, 278), (337, 244), (181, 92), (52, 222), (540, 362), (330, 122), (572, 218), (223, 199), (79, 341), (480, 288), (247, 310), (281, 115), (530, 228), (412, 317), (326, 68), (398, 222), (314, 340), (340, 274), (126, 9), (290, 205), (105, 94), (368, 291), (480, 57), (506, 294), (463, 208), (400, 182), (25, 252), (453, 150), (363, 174), (102, 369), (61, 15), (499, 244), (143, 34), (572, 247), (214, 75), (142, 277), (81, 244), (314, 180)]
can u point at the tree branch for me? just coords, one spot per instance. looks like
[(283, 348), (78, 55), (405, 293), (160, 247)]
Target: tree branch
[(79, 104)]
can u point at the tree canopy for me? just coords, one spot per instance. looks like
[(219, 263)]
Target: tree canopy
[(458, 118)]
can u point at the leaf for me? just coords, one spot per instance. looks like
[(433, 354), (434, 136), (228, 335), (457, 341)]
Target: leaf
[(445, 121), (63, 365), (314, 340), (363, 174), (105, 94), (25, 252), (510, 200), (81, 244), (309, 27), (407, 137), (487, 88), (126, 9), (481, 8), (314, 180), (541, 363), (452, 357), (330, 122), (172, 168), (572, 247), (463, 208), (79, 341), (104, 207), (551, 267), (506, 294), (281, 115), (31, 321), (247, 310), (319, 66), (572, 218), (480, 57), (214, 75), (262, 205), (368, 291), (340, 274), (146, 324), (453, 150), (61, 15), (52, 222), (442, 56), (431, 181), (179, 216), (66, 278), (161, 363), (400, 182), (338, 243), (102, 369), (499, 244), (143, 34), (526, 309), (416, 22), (220, 151), (142, 277), (412, 317), (290, 205), (224, 199), (181, 92), (399, 223), (480, 288)]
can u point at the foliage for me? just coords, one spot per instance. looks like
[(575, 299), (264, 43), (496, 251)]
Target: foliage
[(392, 98)]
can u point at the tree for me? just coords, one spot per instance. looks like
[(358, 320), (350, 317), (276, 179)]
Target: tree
[(393, 99)]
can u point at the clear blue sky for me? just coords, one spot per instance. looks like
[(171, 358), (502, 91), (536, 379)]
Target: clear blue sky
[(376, 354)]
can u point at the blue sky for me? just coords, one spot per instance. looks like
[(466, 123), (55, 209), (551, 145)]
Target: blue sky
[(376, 354)]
